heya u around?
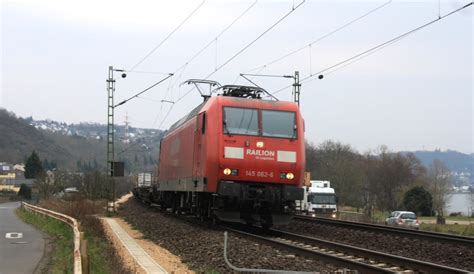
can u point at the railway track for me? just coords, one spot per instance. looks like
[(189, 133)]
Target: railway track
[(337, 254), (422, 235), (341, 255)]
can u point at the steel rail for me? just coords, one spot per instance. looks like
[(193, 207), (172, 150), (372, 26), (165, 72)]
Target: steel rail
[(376, 256), (355, 258), (330, 258), (68, 220), (424, 235), (340, 255)]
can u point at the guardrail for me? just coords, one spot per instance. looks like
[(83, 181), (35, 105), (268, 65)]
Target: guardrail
[(66, 219)]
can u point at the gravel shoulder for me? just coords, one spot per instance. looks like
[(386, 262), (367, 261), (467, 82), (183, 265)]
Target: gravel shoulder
[(163, 257), (128, 261)]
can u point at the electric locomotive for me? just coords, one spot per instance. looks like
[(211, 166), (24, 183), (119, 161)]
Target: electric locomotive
[(236, 157)]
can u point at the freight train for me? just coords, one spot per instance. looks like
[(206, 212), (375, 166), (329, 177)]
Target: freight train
[(236, 157)]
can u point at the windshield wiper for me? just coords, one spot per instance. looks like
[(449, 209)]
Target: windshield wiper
[(226, 129), (294, 133)]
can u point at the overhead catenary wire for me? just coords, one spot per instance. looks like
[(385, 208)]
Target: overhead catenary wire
[(166, 116), (141, 92), (167, 37), (331, 71), (321, 37), (213, 40), (149, 72), (247, 46), (256, 39), (200, 51), (374, 49)]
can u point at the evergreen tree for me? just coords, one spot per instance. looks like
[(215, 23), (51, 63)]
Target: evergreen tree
[(418, 200), (79, 165), (46, 164), (25, 192), (33, 166)]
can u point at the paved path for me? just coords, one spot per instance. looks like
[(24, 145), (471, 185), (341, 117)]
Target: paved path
[(21, 245), (140, 256)]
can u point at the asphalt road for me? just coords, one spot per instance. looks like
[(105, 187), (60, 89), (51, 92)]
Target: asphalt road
[(21, 245)]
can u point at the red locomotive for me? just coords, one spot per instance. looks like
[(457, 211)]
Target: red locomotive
[(235, 157)]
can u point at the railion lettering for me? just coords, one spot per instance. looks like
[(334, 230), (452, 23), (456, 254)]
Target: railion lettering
[(260, 152)]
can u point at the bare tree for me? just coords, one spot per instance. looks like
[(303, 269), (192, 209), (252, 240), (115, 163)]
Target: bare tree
[(439, 182), (388, 176), (340, 164), (369, 189)]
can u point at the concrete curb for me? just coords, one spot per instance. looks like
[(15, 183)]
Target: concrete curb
[(139, 255)]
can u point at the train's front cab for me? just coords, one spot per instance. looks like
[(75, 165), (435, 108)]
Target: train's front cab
[(261, 160)]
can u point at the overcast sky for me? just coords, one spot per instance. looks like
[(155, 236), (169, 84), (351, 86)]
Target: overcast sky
[(412, 95)]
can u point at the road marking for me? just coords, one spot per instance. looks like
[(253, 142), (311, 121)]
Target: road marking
[(14, 235)]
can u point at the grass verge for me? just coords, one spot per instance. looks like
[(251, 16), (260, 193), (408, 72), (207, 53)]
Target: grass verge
[(103, 257), (464, 230), (62, 253), (448, 218)]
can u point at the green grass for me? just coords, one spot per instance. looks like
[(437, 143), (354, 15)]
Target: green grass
[(377, 216), (456, 218), (460, 218), (99, 250), (62, 235), (97, 259), (62, 254), (464, 230)]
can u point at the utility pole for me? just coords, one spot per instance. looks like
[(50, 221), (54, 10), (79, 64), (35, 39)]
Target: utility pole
[(110, 137), (126, 140), (297, 87), (116, 169), (110, 121), (110, 134)]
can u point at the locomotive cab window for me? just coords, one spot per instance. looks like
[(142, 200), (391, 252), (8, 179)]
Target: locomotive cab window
[(278, 124), (243, 121)]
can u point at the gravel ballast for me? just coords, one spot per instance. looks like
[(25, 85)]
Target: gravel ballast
[(201, 247), (425, 250)]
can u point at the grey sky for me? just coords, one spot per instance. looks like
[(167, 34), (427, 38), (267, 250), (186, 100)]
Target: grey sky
[(415, 94)]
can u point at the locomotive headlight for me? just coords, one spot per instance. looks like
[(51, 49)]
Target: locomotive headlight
[(227, 171), (290, 176), (260, 144)]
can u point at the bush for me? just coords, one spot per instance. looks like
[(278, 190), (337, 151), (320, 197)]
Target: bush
[(418, 200)]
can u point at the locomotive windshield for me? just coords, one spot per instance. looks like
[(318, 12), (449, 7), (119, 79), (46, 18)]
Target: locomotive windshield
[(245, 121), (240, 121), (278, 124)]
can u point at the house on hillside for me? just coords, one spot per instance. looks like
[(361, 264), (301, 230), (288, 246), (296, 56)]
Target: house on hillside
[(13, 176), (6, 171)]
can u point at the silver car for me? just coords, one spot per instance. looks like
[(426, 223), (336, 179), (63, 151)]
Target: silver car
[(404, 219)]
